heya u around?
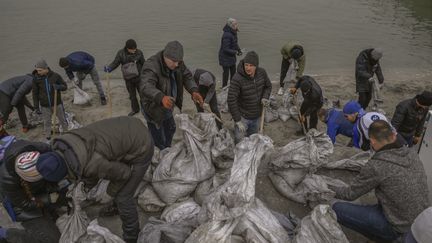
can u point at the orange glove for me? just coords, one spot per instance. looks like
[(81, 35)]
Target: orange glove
[(168, 102), (196, 97)]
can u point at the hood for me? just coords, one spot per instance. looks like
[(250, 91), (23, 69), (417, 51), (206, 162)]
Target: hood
[(226, 28), (402, 156)]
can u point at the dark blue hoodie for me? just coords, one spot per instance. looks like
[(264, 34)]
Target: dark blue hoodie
[(229, 47), (79, 61), (338, 124)]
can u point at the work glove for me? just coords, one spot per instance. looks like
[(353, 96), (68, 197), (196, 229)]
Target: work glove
[(241, 126), (206, 107), (197, 98), (371, 80), (265, 102), (107, 69), (293, 90), (168, 102)]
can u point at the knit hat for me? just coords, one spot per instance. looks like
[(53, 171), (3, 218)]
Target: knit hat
[(351, 107), (296, 53), (251, 58), (131, 44), (376, 54), (51, 166), (174, 51), (25, 166), (231, 22), (63, 62), (424, 98), (41, 64)]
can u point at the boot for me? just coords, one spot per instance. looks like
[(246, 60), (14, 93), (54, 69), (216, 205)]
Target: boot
[(103, 100)]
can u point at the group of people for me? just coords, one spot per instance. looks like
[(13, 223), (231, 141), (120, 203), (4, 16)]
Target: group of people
[(34, 176)]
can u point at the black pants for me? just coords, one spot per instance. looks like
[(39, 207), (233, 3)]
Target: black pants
[(227, 71), (213, 108), (38, 230), (132, 87), (313, 117), (284, 69), (364, 99), (6, 109)]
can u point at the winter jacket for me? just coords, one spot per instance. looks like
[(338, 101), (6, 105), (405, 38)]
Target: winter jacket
[(106, 149), (43, 89), (155, 83), (229, 47), (123, 57), (366, 67), (313, 99), (337, 124), (408, 119), (208, 87), (17, 87), (397, 175), (79, 61), (245, 93), (286, 54), (10, 182)]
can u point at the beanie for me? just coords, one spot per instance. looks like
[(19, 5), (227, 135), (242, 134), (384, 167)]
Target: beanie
[(131, 44), (424, 98), (251, 58), (296, 53), (376, 54), (351, 107), (63, 62), (51, 166), (174, 51), (25, 166), (41, 64)]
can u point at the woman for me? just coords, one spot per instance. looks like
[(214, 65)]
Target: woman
[(228, 50)]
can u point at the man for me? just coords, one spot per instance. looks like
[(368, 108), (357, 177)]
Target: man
[(312, 101), (336, 123), (410, 115), (228, 50), (13, 94), (367, 64), (292, 54), (45, 84), (206, 83), (397, 175), (82, 63), (249, 91), (132, 60), (161, 87)]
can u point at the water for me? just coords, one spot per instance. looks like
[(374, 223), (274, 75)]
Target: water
[(333, 31)]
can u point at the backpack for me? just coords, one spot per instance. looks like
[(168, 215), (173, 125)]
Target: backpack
[(130, 70)]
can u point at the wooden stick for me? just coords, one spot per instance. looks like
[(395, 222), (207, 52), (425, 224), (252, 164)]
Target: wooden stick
[(262, 120), (109, 95), (54, 116), (299, 115)]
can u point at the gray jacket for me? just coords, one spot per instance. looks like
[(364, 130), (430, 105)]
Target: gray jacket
[(366, 67), (398, 177), (17, 87), (155, 84)]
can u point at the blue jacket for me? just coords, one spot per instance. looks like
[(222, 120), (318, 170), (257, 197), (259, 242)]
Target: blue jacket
[(229, 47), (337, 124), (79, 61), (356, 131)]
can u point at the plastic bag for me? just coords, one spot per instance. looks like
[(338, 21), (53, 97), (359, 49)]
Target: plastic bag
[(99, 192), (209, 186), (183, 211), (222, 150), (158, 231), (73, 226), (222, 99), (149, 201), (71, 121), (270, 115), (320, 227), (80, 96), (354, 163), (99, 234)]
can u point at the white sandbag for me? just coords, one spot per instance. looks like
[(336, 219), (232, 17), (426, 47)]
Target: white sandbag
[(99, 234), (320, 226), (99, 192), (71, 121), (80, 96), (222, 99), (209, 186), (183, 211), (270, 115), (149, 201), (222, 150), (158, 231), (354, 163), (284, 113)]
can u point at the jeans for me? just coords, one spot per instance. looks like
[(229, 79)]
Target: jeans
[(252, 127), (162, 136), (367, 220), (227, 71), (47, 117), (95, 77), (364, 99), (132, 87)]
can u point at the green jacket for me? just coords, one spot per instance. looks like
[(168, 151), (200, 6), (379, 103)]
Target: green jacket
[(286, 50)]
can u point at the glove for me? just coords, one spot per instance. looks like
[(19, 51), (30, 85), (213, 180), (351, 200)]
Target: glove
[(371, 80), (265, 102), (241, 126), (293, 90), (107, 69), (239, 53), (168, 102), (197, 98), (206, 107)]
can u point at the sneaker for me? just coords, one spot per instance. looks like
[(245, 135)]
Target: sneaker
[(103, 101), (280, 91), (132, 113)]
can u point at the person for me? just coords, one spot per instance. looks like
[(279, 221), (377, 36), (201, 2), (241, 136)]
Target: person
[(291, 52), (206, 83), (312, 101), (13, 94), (132, 60), (82, 63), (249, 91), (161, 87), (29, 188), (397, 175), (228, 50), (336, 123), (45, 84), (367, 64), (410, 115)]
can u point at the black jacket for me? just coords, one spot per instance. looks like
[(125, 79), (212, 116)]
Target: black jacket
[(229, 47), (313, 99), (43, 89), (17, 87), (123, 57), (10, 182), (245, 93), (408, 119), (365, 69), (155, 84)]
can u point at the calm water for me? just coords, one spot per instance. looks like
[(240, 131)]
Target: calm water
[(333, 31)]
